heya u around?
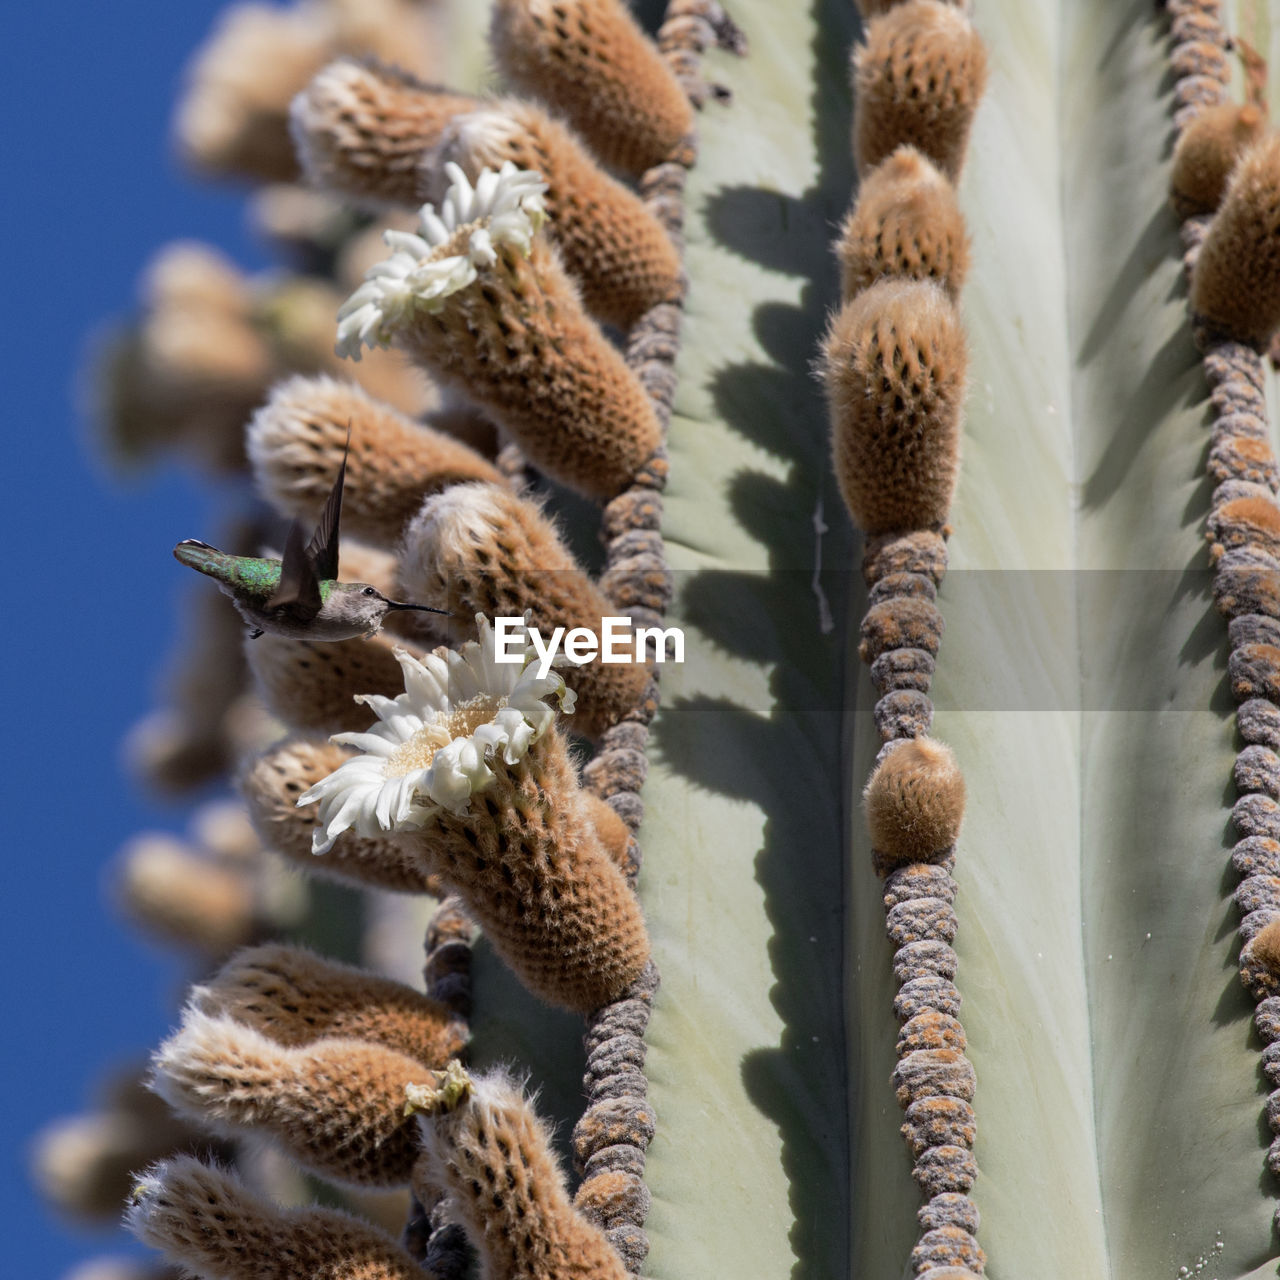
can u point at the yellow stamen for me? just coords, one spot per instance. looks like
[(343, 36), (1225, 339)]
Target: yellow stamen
[(460, 722)]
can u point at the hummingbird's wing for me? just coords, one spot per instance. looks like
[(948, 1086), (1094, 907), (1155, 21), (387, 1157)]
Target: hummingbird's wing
[(299, 587), (323, 547)]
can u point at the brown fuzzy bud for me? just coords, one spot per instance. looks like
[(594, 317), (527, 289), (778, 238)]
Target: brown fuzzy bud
[(204, 1219), (526, 860), (617, 251), (312, 686), (193, 367), (914, 802), (1260, 962), (297, 441), (295, 998), (335, 1105), (361, 129), (1235, 287), (271, 787), (1207, 152), (176, 895), (918, 79), (591, 62), (482, 549), (614, 834), (906, 223), (223, 828), (189, 275), (85, 1164), (492, 1156), (894, 364), (517, 342), (233, 119)]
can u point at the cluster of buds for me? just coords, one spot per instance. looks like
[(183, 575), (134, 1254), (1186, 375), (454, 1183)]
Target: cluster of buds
[(409, 766), (1225, 186), (894, 363), (208, 345)]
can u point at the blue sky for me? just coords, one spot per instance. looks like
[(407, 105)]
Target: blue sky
[(93, 594)]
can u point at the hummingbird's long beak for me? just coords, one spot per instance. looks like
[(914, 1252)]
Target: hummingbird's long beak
[(424, 608)]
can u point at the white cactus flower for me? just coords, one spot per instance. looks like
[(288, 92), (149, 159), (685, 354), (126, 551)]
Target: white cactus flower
[(434, 743), (503, 208)]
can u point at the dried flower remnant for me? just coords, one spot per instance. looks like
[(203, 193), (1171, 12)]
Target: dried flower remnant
[(1207, 151), (469, 757), (483, 549), (296, 998), (894, 365), (914, 803), (906, 222), (918, 79), (271, 787), (361, 129), (208, 1221), (1235, 287), (334, 1104), (297, 442), (590, 61), (486, 1149), (615, 249), (482, 301)]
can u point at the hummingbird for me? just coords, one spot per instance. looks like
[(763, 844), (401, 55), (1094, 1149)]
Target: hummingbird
[(299, 596)]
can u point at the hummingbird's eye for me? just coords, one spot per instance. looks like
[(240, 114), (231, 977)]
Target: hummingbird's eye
[(370, 591)]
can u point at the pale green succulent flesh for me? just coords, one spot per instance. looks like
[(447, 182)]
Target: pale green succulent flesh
[(1119, 1097)]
